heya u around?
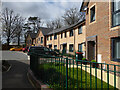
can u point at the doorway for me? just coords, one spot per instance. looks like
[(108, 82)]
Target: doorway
[(91, 50)]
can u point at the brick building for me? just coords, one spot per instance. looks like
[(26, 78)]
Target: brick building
[(102, 31), (30, 39), (70, 38), (41, 36)]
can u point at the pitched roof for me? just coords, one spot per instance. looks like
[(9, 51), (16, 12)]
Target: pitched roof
[(66, 27), (33, 35), (45, 30), (84, 5)]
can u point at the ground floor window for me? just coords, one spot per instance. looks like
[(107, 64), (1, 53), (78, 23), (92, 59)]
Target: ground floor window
[(116, 48), (71, 48), (55, 46), (80, 47)]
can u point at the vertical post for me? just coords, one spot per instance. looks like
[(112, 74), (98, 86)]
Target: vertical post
[(101, 78), (73, 74), (114, 77), (96, 75), (108, 75), (81, 74), (77, 67), (90, 77), (67, 73)]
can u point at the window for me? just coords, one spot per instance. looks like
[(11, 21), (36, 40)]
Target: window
[(92, 14), (80, 47), (116, 13), (65, 34), (71, 47), (116, 48), (41, 39), (55, 46), (50, 37), (30, 41), (71, 33), (47, 37), (55, 36), (80, 30), (61, 35)]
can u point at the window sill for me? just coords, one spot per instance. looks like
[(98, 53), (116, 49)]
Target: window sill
[(115, 28), (79, 33), (116, 60)]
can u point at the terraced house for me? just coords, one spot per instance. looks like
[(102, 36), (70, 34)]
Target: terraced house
[(41, 36), (97, 36), (69, 38), (30, 39), (102, 31)]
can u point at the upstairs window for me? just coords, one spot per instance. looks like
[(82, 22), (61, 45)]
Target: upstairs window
[(61, 35), (65, 34), (71, 33), (116, 13), (47, 38), (50, 37), (41, 39), (55, 36), (92, 14), (80, 30)]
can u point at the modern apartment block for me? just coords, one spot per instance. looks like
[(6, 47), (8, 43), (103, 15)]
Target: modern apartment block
[(102, 31)]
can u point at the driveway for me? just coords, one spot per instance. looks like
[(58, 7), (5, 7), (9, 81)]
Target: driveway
[(16, 77)]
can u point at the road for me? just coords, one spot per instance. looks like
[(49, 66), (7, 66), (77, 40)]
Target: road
[(13, 55), (16, 77)]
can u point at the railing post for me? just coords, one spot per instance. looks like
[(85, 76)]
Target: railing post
[(67, 73)]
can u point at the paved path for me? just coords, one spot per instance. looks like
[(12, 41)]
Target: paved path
[(16, 77)]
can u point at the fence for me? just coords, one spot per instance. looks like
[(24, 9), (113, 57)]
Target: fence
[(65, 73)]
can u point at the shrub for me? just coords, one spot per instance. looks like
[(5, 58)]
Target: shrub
[(93, 61), (83, 58)]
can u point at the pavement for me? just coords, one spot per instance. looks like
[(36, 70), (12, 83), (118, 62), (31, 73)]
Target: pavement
[(16, 77)]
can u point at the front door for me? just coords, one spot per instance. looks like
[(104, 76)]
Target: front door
[(91, 50), (64, 48), (50, 46)]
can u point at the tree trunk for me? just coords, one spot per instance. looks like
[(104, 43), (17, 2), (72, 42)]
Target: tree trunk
[(18, 40)]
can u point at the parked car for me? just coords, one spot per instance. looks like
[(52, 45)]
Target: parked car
[(16, 49), (42, 50), (25, 49)]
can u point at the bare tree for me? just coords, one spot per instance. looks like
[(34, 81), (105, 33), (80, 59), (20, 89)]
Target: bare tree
[(19, 28), (72, 16), (55, 24), (10, 24)]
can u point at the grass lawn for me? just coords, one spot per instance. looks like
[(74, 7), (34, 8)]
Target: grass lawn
[(55, 76)]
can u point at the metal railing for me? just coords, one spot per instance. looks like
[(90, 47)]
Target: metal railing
[(65, 73)]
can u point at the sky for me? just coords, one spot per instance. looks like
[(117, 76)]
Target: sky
[(46, 10)]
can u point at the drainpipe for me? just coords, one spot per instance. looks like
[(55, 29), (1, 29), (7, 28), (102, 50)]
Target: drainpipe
[(74, 39)]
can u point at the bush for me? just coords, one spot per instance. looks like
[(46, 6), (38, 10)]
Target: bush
[(93, 61), (84, 59)]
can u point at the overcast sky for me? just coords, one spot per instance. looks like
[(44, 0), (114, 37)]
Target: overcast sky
[(44, 10)]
